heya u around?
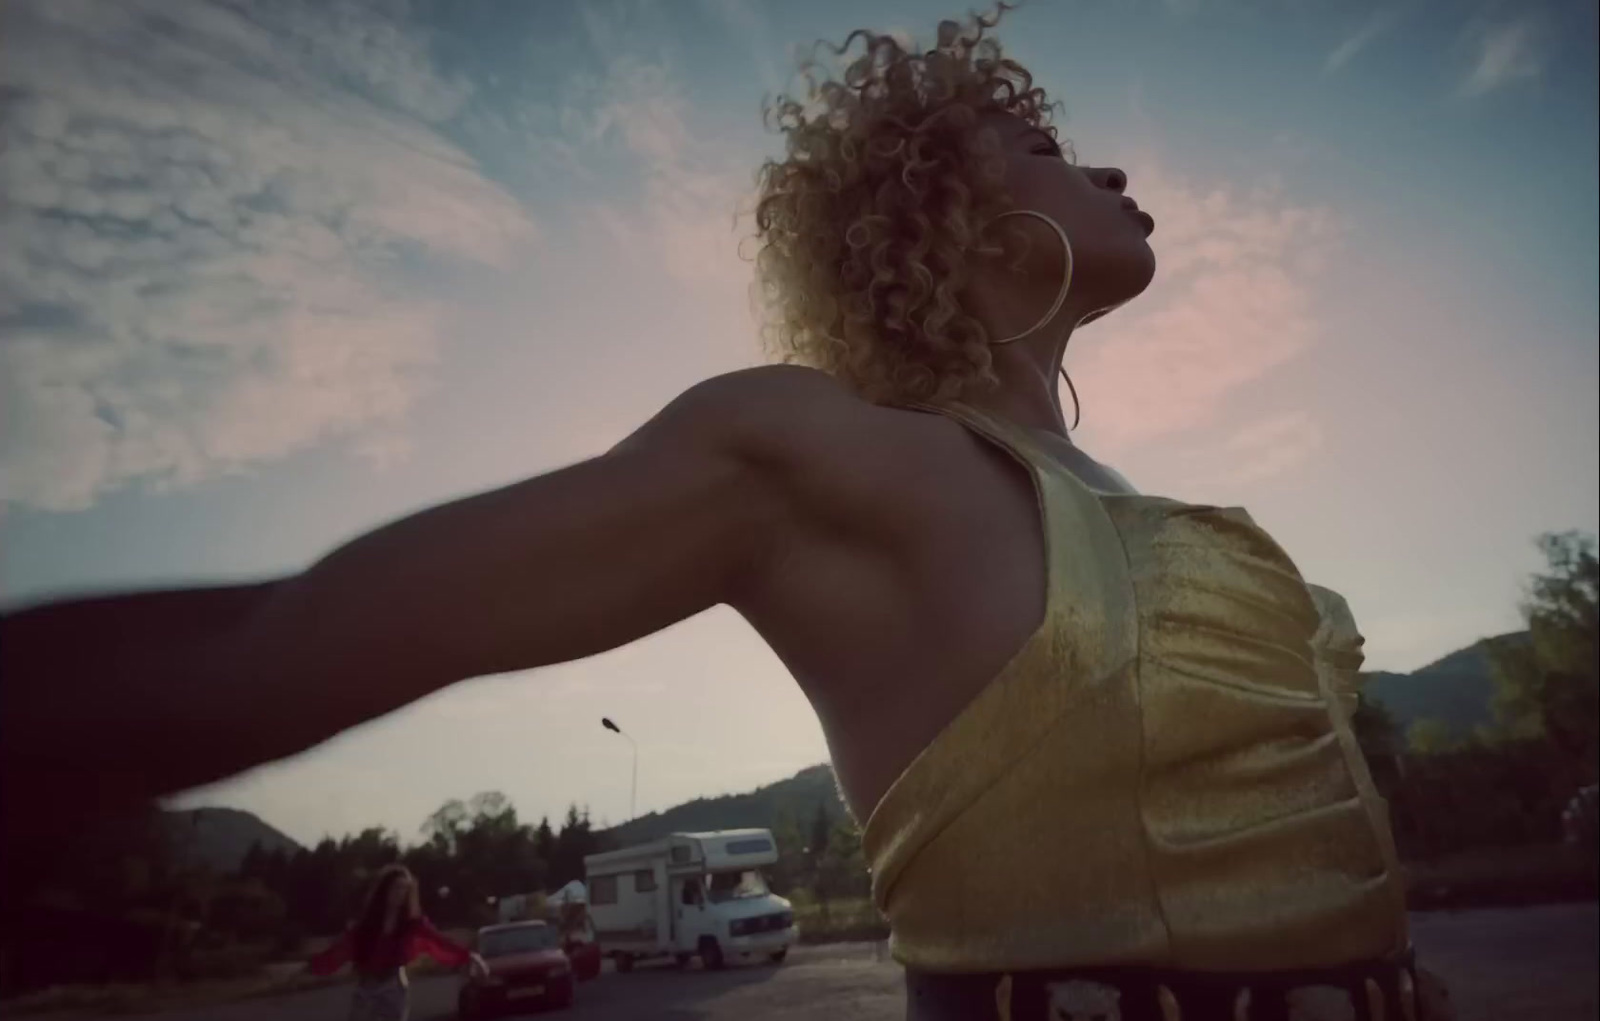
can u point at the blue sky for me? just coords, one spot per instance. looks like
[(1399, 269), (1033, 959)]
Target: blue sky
[(277, 273)]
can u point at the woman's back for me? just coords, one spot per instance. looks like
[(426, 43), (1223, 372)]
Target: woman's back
[(895, 605)]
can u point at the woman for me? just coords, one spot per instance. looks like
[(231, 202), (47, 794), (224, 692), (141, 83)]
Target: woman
[(1099, 740), (390, 933)]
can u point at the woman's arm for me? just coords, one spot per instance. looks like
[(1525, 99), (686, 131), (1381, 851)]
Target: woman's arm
[(427, 939), (173, 690), (73, 708), (335, 956)]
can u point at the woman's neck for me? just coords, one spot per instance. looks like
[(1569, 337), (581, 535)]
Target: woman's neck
[(1028, 394)]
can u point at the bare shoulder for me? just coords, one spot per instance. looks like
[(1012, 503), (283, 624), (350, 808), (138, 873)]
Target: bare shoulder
[(772, 409), (791, 424)]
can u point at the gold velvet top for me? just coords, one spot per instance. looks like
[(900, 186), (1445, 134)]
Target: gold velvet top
[(1164, 774)]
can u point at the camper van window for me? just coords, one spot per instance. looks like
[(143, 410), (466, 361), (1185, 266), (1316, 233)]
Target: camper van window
[(727, 886), (644, 881), (603, 890), (757, 845)]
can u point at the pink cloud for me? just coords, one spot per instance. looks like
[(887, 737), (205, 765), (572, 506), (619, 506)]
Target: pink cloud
[(1232, 301)]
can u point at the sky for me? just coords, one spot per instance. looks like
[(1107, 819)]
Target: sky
[(274, 274)]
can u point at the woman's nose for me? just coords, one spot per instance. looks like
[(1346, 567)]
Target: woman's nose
[(1116, 180)]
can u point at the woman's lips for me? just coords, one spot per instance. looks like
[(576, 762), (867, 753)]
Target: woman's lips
[(1143, 217)]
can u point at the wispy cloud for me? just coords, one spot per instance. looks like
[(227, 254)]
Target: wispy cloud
[(1232, 302), (1375, 25), (1271, 446), (1505, 53), (682, 176), (218, 236)]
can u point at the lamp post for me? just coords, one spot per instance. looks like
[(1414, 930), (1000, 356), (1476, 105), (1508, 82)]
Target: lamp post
[(633, 791)]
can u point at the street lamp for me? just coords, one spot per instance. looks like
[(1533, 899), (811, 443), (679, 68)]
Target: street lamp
[(605, 721)]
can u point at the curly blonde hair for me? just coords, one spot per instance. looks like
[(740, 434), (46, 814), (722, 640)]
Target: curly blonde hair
[(868, 227)]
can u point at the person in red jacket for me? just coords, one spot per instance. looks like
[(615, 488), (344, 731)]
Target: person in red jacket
[(391, 932)]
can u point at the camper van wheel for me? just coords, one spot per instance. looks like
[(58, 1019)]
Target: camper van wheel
[(777, 956), (624, 962), (711, 953)]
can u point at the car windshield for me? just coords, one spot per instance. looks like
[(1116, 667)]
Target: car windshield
[(725, 886), (521, 940)]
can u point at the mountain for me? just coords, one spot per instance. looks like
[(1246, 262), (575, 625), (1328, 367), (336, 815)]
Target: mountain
[(797, 798), (219, 838), (1457, 690)]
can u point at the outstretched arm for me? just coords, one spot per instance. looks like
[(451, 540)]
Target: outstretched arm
[(429, 940), (165, 691), (335, 956)]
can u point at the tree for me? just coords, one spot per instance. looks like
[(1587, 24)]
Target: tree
[(370, 850), (489, 805), (1430, 737), (576, 840), (544, 841), (1549, 685), (841, 870), (444, 826), (789, 870), (821, 831), (253, 864), (247, 910), (495, 853), (1378, 736), (1373, 725)]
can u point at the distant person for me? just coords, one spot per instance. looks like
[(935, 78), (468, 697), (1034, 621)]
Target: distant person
[(391, 932), (1100, 740)]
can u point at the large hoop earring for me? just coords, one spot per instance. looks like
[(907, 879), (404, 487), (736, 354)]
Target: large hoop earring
[(1066, 278), (1055, 306)]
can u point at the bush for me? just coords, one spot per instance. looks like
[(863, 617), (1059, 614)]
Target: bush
[(841, 920), (1502, 877), (1505, 794)]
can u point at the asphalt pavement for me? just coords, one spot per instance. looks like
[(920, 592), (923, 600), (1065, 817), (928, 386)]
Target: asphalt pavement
[(1515, 964)]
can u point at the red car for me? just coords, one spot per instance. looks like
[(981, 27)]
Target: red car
[(526, 965)]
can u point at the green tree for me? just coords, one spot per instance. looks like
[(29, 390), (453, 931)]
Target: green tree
[(821, 832), (1431, 737), (444, 826), (789, 870), (368, 851), (841, 870), (576, 840), (544, 841), (1374, 726), (1549, 685), (1379, 738)]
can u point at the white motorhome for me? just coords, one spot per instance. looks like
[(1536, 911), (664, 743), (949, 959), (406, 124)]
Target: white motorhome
[(687, 895)]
